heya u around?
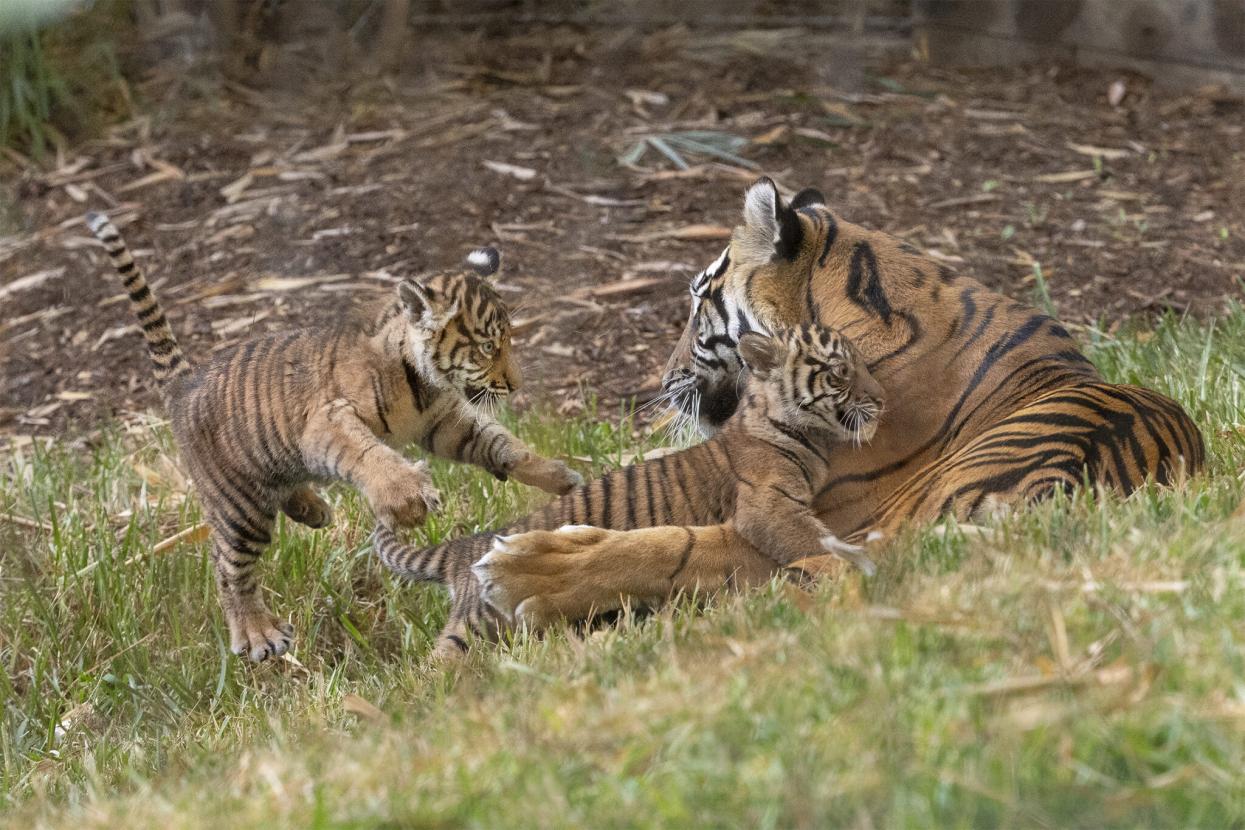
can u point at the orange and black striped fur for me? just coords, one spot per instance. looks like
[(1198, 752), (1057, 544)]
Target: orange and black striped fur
[(808, 391), (990, 403), (261, 420)]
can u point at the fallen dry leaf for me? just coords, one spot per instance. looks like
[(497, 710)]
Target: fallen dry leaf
[(356, 705), (523, 174)]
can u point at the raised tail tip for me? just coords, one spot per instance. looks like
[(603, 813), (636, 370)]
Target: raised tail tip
[(96, 221)]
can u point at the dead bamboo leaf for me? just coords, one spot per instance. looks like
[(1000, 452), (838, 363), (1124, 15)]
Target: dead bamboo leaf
[(189, 536), (1066, 177), (958, 201), (688, 232), (233, 191), (223, 328), (150, 179), (30, 281), (1110, 153), (22, 521), (1112, 675), (356, 705), (523, 174), (294, 283), (624, 287), (772, 136)]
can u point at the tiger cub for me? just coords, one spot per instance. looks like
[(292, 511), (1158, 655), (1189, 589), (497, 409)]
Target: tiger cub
[(807, 389), (259, 421)]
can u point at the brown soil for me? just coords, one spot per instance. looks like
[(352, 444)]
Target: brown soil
[(229, 195)]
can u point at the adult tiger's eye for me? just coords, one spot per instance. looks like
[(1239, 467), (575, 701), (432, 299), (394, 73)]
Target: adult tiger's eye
[(487, 348)]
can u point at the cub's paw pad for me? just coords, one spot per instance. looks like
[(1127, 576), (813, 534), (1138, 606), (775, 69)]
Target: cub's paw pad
[(263, 635)]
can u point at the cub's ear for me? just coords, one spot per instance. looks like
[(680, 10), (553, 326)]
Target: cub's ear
[(760, 354), (771, 228), (807, 197), (484, 261), (415, 298)]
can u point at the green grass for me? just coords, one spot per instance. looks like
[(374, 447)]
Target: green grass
[(61, 80), (1080, 664)]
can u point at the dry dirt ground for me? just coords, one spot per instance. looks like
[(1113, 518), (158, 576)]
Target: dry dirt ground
[(256, 208)]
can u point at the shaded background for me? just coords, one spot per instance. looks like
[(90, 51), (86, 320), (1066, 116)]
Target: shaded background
[(274, 162)]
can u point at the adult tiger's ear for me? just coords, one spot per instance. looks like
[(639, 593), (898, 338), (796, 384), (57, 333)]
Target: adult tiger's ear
[(772, 228), (807, 197), (485, 261), (760, 354)]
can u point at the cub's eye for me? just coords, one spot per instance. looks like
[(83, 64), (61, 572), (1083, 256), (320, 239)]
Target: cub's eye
[(838, 371), (487, 348)]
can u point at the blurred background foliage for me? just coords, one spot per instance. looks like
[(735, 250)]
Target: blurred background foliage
[(68, 67)]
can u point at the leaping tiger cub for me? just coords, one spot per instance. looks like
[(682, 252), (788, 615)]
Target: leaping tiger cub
[(808, 389), (261, 420)]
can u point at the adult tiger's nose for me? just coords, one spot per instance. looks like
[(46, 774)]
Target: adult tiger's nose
[(675, 379)]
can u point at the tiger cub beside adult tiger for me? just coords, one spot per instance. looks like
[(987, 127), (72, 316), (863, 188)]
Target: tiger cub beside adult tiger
[(259, 421), (808, 389), (990, 402)]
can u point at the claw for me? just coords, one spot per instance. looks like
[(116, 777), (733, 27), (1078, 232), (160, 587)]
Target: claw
[(851, 553)]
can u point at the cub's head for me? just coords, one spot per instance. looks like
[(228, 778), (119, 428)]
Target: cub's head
[(815, 378), (749, 288), (460, 329)]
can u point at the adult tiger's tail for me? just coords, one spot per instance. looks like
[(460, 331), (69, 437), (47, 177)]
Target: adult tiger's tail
[(161, 345)]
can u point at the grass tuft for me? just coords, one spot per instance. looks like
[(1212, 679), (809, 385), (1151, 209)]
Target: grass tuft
[(1078, 664)]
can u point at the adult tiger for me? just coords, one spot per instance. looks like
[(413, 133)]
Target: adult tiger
[(990, 402)]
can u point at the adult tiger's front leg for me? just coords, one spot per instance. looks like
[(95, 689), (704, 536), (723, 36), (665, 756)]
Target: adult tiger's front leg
[(540, 577)]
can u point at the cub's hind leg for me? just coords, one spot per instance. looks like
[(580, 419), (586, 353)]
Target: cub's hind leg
[(306, 507), (239, 536)]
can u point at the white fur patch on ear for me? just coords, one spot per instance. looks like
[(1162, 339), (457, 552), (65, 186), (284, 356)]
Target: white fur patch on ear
[(761, 212), (484, 261)]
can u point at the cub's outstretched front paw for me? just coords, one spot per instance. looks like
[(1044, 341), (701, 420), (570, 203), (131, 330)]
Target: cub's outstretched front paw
[(548, 474), (540, 577), (406, 500)]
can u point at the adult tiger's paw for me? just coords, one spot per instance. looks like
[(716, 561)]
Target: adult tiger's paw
[(544, 576)]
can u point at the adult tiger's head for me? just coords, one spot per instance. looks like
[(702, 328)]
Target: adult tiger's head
[(816, 380), (460, 329), (760, 283)]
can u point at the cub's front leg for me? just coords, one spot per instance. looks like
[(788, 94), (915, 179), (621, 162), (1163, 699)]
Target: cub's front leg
[(783, 527), (338, 443), (467, 434)]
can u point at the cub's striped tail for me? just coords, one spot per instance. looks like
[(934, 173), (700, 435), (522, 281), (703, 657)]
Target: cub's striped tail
[(161, 345), (439, 563)]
